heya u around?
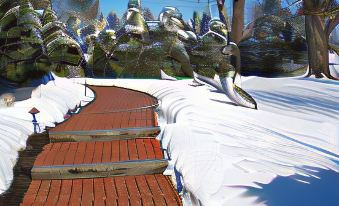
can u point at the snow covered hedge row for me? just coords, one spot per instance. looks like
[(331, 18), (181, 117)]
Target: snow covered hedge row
[(53, 101)]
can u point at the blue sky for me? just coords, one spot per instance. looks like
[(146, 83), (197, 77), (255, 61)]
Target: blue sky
[(185, 6)]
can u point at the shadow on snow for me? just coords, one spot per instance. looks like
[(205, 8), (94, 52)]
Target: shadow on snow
[(283, 191)]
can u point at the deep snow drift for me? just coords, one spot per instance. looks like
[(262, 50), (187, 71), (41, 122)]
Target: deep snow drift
[(285, 153), (53, 101)]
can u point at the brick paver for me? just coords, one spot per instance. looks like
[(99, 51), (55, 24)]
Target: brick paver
[(129, 190), (65, 153), (108, 121), (113, 108)]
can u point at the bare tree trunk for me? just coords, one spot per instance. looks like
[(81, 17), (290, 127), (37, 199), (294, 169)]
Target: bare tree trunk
[(317, 41), (238, 20), (317, 37)]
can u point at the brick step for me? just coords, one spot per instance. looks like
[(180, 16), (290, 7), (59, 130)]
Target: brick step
[(70, 160), (108, 121), (107, 126), (118, 191)]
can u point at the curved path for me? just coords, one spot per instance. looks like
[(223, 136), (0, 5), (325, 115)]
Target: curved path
[(105, 155), (115, 113)]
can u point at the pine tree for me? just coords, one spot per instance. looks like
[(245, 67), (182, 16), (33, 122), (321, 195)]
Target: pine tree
[(124, 18), (40, 4), (72, 28), (90, 29), (271, 7), (204, 23), (148, 15), (23, 52), (196, 22), (113, 21)]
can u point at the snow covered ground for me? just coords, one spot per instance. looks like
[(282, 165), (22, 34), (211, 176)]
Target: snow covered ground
[(334, 64), (285, 153), (53, 101)]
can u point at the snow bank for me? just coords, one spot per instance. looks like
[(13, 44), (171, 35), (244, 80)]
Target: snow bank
[(53, 101), (334, 64), (230, 155)]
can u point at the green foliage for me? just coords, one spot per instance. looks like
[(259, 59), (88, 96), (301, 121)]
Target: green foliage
[(25, 42), (61, 71), (48, 16), (197, 17)]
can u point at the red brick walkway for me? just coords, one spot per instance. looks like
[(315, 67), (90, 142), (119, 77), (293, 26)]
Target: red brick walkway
[(116, 113), (114, 108), (66, 153), (108, 121), (129, 190), (139, 182), (114, 98)]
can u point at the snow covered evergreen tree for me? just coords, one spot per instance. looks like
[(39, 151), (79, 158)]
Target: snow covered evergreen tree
[(90, 29), (72, 28), (204, 23), (123, 18), (271, 7), (113, 21), (148, 15), (196, 22)]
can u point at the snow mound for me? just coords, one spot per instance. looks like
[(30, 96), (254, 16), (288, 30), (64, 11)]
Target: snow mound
[(334, 64), (53, 101), (230, 155)]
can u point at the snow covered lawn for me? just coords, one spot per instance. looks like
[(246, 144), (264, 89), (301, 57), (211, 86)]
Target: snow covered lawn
[(53, 101), (285, 153)]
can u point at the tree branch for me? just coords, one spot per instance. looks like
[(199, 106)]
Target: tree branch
[(331, 24), (322, 12), (334, 48)]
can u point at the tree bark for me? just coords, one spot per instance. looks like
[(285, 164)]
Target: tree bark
[(331, 24), (317, 41), (238, 20), (317, 38)]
